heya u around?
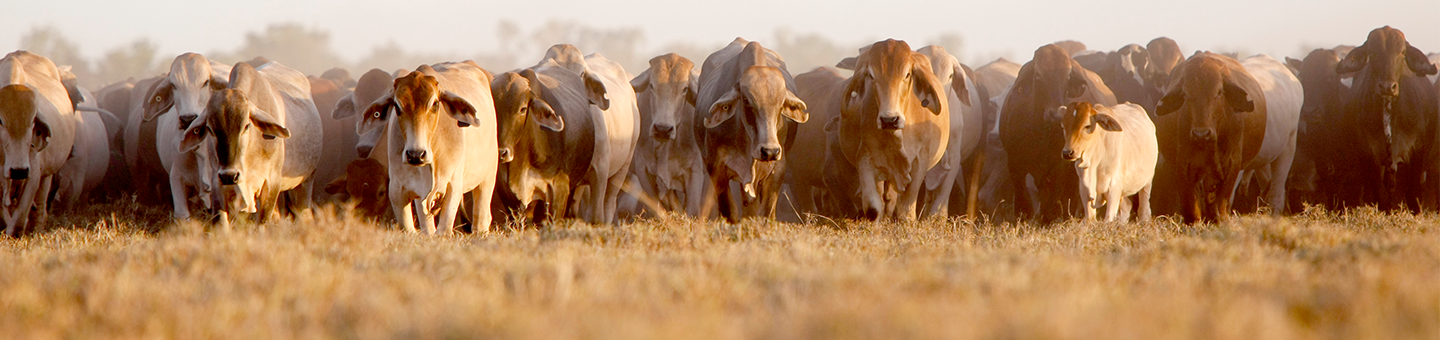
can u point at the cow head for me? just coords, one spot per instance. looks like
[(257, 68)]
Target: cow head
[(946, 67), (1320, 83), (1164, 55), (759, 99), (519, 110), (1057, 80), (24, 133), (186, 89), (418, 104), (365, 182), (1206, 94), (896, 80), (1080, 121), (373, 86), (671, 99), (1389, 57)]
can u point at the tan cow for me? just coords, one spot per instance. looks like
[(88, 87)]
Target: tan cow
[(668, 167), (39, 131), (266, 136), (442, 144), (894, 125)]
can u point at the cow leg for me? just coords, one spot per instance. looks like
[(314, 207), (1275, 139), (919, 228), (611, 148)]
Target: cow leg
[(1087, 194), (612, 192), (972, 193), (694, 197), (873, 206), (940, 203), (480, 198), (905, 208), (599, 186), (25, 204), (1114, 200), (403, 207), (301, 199), (1279, 175), (178, 197), (1023, 207), (449, 207)]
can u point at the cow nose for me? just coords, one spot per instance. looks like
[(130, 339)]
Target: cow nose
[(415, 157), (892, 122), (229, 177), (1202, 134), (505, 155), (768, 154), (19, 173), (663, 132), (1389, 88), (363, 151), (1068, 154), (185, 120)]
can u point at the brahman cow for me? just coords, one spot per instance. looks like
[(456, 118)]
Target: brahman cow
[(747, 98), (372, 86), (1391, 111), (566, 122), (147, 174), (1124, 73), (442, 144), (175, 102), (1319, 174), (1115, 153), (39, 131), (967, 116), (264, 132), (1030, 131), (1283, 99), (995, 79), (894, 126), (810, 192), (667, 169), (1211, 125)]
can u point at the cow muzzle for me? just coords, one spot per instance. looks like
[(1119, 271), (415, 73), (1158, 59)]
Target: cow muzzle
[(229, 176), (1388, 89), (416, 157), (506, 156), (663, 132), (769, 153), (1202, 134), (1069, 154), (19, 173), (892, 121), (186, 119)]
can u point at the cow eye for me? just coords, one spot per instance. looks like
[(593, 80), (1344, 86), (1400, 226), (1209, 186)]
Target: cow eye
[(725, 107), (524, 110)]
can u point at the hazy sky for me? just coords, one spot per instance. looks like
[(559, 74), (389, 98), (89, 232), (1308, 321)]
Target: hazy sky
[(989, 28)]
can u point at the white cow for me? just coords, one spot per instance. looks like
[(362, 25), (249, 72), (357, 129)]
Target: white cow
[(175, 102), (967, 121), (617, 130), (668, 166), (1283, 99), (1115, 152), (38, 122)]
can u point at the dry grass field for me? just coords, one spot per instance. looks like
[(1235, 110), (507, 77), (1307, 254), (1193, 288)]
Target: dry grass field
[(120, 271)]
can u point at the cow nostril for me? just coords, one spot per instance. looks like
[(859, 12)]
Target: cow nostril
[(663, 132), (1202, 134), (229, 177), (505, 155), (890, 122), (1067, 153), (415, 157), (186, 119), (769, 154), (19, 173)]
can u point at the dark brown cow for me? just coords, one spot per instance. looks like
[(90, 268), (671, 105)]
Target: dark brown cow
[(1212, 123), (1320, 174), (808, 187), (339, 142), (1124, 73), (1392, 115), (1031, 134)]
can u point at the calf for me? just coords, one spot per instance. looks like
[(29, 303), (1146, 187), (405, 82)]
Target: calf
[(1115, 152)]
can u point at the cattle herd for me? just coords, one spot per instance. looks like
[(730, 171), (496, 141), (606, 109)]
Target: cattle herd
[(910, 133)]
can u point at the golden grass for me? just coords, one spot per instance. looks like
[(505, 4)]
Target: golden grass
[(120, 271)]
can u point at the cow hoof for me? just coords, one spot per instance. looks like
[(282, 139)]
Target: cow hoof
[(872, 214)]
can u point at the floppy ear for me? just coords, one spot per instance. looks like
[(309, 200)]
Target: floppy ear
[(1237, 98), (344, 108), (641, 82), (595, 90), (459, 108), (545, 115), (794, 108), (192, 137), (846, 64), (160, 98), (723, 109), (1418, 62), (42, 136), (1170, 103), (957, 83), (924, 83), (1353, 61), (1294, 64), (337, 185), (378, 112), (1076, 85), (268, 125), (73, 91), (1106, 122), (690, 90)]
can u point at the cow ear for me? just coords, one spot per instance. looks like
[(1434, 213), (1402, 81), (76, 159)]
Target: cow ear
[(1418, 62), (336, 186), (595, 90), (377, 114), (42, 135), (545, 116), (1170, 103), (641, 82), (73, 91), (192, 137), (846, 64), (268, 125), (1293, 64), (794, 108), (1106, 122), (723, 109), (459, 108), (1237, 98), (924, 86), (1354, 61), (1077, 85), (853, 90), (344, 108), (957, 83), (690, 90), (160, 99)]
